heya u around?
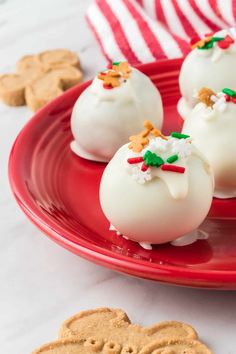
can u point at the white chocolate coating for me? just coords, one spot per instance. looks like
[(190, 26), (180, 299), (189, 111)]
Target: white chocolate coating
[(102, 120), (165, 207), (212, 68), (213, 132)]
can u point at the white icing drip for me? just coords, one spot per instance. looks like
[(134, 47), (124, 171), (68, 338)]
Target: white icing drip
[(177, 183), (190, 238), (217, 53), (112, 228), (145, 245), (125, 237)]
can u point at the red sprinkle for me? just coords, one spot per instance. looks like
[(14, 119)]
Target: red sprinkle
[(144, 167), (173, 168), (227, 98), (229, 39), (233, 99), (102, 73), (223, 44), (107, 87), (109, 66), (133, 160)]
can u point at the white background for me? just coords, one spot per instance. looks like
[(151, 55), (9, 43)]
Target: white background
[(42, 284)]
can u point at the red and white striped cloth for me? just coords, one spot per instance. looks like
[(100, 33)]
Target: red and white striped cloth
[(142, 31)]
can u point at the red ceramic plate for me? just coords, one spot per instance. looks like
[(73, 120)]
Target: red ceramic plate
[(58, 191)]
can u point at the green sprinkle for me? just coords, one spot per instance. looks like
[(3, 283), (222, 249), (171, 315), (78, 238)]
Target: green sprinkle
[(116, 63), (179, 135), (172, 158), (217, 39), (229, 92), (209, 45), (152, 159)]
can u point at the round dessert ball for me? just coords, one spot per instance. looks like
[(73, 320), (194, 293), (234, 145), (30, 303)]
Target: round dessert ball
[(211, 63), (158, 194), (212, 125), (111, 109)]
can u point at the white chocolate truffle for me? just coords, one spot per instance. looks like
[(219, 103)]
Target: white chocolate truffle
[(213, 131), (103, 119), (212, 68), (153, 205)]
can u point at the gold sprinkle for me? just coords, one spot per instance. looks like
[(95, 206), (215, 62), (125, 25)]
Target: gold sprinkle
[(204, 96), (139, 141), (112, 77)]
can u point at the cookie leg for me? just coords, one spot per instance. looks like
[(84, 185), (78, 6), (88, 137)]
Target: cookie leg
[(12, 90)]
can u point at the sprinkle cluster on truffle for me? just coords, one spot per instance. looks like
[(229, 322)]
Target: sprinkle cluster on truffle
[(217, 101), (147, 152), (209, 41), (215, 45), (116, 75)]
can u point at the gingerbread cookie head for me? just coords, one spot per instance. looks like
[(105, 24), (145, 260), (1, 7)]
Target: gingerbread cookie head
[(207, 65), (109, 331), (115, 326), (212, 125), (111, 109), (155, 178)]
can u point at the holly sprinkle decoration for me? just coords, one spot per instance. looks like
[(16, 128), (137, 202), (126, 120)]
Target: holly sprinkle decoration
[(176, 147), (217, 101), (152, 159), (113, 77), (209, 40)]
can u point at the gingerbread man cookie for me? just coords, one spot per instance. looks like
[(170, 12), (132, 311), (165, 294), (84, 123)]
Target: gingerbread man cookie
[(109, 331), (40, 78), (138, 142)]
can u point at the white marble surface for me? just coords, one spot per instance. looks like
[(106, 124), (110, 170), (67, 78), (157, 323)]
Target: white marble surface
[(41, 283)]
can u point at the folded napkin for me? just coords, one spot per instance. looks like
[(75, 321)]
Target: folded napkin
[(142, 31)]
